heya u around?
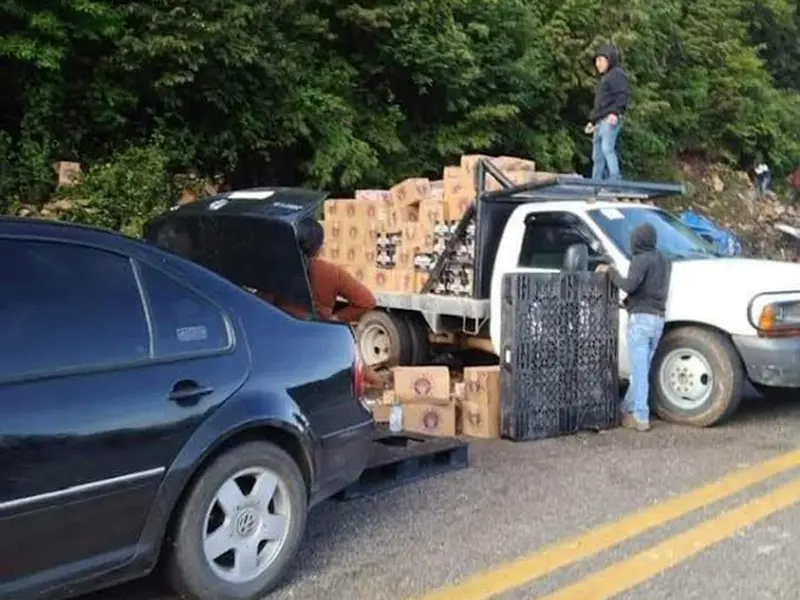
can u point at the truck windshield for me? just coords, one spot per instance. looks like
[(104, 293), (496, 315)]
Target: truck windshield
[(675, 239)]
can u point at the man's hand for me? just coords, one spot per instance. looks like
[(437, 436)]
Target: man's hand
[(612, 119), (601, 268), (589, 129)]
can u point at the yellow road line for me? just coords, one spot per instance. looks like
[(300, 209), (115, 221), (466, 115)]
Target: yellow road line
[(630, 572), (543, 562)]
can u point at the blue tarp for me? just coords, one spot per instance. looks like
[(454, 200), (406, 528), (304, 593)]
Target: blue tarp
[(724, 240)]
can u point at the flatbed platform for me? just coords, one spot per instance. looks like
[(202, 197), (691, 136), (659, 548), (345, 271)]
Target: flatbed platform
[(401, 458)]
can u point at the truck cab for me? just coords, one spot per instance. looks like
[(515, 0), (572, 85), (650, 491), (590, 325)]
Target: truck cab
[(728, 320)]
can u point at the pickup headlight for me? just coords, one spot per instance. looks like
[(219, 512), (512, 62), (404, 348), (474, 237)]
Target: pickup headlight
[(779, 319)]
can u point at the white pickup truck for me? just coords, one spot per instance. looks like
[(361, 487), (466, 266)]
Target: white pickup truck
[(728, 319)]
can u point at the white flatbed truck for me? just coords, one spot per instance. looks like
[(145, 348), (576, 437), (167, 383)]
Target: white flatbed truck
[(728, 319)]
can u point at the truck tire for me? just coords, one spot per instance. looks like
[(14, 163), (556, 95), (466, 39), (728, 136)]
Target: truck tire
[(696, 377), (383, 339), (418, 336)]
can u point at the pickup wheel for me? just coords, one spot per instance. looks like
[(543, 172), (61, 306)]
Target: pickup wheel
[(240, 526), (696, 377), (383, 339)]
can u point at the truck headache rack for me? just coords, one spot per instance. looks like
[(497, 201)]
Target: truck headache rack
[(568, 187), (489, 204)]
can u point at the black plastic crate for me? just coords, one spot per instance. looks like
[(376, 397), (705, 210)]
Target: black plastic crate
[(559, 354)]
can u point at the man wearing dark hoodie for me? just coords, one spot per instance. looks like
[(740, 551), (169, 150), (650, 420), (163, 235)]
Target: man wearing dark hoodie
[(605, 120), (646, 286)]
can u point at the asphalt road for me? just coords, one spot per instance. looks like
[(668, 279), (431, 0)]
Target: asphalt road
[(452, 537)]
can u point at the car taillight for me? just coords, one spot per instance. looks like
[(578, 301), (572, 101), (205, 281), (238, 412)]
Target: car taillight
[(358, 377)]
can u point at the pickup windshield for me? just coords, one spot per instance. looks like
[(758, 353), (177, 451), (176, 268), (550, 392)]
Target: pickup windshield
[(674, 239)]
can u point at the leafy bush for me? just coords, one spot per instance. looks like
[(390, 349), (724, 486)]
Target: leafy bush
[(122, 194)]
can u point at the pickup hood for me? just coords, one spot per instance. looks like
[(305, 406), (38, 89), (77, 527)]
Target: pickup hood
[(717, 291)]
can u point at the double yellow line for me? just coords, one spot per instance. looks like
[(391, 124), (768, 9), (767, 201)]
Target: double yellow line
[(632, 571)]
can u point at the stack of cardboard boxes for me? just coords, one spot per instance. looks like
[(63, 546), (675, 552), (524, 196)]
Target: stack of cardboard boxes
[(433, 403), (391, 239)]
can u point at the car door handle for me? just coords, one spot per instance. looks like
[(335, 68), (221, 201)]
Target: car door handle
[(189, 392)]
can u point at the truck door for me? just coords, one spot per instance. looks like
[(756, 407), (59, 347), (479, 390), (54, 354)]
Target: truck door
[(536, 243)]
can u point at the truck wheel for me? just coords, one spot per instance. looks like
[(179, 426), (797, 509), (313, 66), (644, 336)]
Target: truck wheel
[(383, 339), (240, 527), (696, 377), (418, 336)]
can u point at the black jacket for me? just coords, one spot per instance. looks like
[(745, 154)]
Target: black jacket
[(647, 283), (612, 91)]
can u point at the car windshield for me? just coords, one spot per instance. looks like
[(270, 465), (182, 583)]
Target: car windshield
[(674, 238)]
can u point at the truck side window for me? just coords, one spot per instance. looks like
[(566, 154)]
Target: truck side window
[(547, 237)]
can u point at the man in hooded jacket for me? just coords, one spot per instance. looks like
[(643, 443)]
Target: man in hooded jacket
[(605, 121), (647, 287)]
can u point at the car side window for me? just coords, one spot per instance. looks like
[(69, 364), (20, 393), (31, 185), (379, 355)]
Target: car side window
[(66, 306), (547, 237), (183, 321)]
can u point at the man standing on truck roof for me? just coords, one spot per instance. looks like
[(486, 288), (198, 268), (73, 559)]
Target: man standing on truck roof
[(646, 286), (605, 120)]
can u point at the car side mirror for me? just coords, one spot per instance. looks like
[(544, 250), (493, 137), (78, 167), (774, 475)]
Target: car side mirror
[(576, 258)]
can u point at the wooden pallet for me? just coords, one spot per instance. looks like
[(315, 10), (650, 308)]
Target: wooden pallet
[(401, 458)]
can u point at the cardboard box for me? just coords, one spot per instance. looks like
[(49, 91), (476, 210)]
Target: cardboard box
[(431, 212), (352, 211), (333, 231), (480, 410), (371, 195), (406, 281), (413, 236), (353, 233), (420, 279), (437, 191), (459, 192), (404, 258), (353, 254), (429, 384), (469, 162), (376, 210), (410, 192), (332, 209), (363, 273), (332, 253), (383, 280), (381, 412), (430, 419)]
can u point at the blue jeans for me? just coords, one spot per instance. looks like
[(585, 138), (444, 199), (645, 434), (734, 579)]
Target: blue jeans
[(644, 332), (604, 152)]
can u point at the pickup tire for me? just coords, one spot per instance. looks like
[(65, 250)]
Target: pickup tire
[(696, 377), (383, 339), (418, 336)]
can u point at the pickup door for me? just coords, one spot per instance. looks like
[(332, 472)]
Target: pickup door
[(535, 241)]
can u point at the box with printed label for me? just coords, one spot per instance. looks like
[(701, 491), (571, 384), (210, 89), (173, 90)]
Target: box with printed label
[(429, 384), (480, 410), (430, 419), (410, 192)]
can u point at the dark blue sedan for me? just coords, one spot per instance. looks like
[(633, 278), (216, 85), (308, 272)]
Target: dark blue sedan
[(152, 408)]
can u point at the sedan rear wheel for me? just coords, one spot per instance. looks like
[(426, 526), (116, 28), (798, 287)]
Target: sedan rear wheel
[(241, 525)]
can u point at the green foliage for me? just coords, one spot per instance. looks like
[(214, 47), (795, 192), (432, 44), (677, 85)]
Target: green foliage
[(122, 194), (347, 93)]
